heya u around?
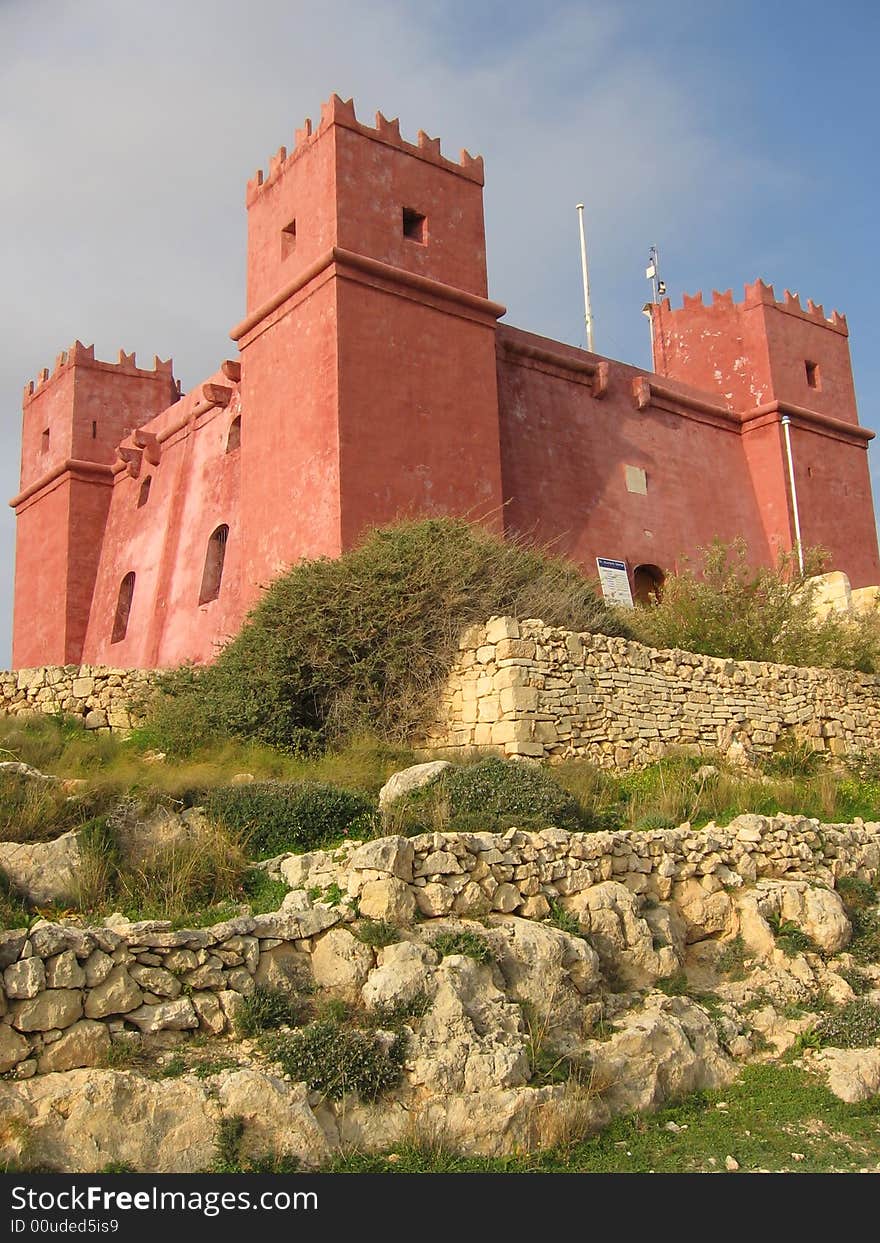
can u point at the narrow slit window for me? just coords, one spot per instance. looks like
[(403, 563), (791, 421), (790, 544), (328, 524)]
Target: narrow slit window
[(44, 442), (213, 571), (288, 239), (94, 429), (814, 380), (123, 608), (233, 439), (144, 493), (415, 226)]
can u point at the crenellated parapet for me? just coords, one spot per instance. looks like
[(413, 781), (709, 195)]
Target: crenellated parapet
[(337, 111), (79, 355), (757, 294)]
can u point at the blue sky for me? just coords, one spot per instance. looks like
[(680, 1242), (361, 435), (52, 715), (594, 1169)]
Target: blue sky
[(739, 138)]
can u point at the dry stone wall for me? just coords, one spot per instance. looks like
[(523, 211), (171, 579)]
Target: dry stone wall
[(527, 689), (103, 698), (68, 991)]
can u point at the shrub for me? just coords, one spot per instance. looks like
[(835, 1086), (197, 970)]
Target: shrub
[(491, 794), (335, 647), (789, 937), (338, 1060), (855, 893), (273, 816), (792, 757), (732, 608), (265, 1009), (13, 909), (392, 1015), (857, 980), (732, 959), (854, 1026), (376, 932), (564, 920), (468, 943), (865, 943)]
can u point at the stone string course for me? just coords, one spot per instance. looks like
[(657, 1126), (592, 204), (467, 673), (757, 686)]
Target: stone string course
[(103, 698), (528, 689), (68, 991)]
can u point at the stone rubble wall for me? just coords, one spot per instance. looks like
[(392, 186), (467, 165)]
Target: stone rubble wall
[(521, 872), (67, 991), (103, 698), (528, 689)]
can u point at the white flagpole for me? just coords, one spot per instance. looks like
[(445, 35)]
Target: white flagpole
[(588, 314)]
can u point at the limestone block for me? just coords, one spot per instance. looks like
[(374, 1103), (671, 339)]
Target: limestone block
[(177, 1015), (340, 961), (57, 1007), (117, 994), (64, 971), (14, 1048), (409, 779), (25, 979), (498, 628), (86, 1043), (391, 900)]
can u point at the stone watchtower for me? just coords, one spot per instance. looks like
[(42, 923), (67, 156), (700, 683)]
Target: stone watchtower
[(73, 420), (368, 349), (774, 363)]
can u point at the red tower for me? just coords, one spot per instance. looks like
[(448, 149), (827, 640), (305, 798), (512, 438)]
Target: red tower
[(368, 350), (771, 361), (73, 421)]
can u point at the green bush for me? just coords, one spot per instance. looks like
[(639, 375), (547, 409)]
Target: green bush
[(266, 1008), (471, 944), (854, 1026), (274, 816), (855, 893), (564, 920), (336, 647), (792, 758), (732, 608), (790, 938), (13, 908), (493, 794), (337, 1060), (377, 932)]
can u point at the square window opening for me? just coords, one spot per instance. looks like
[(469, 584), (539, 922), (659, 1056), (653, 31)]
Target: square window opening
[(288, 239), (415, 226)]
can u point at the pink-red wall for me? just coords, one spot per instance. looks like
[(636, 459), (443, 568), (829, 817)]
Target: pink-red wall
[(564, 459)]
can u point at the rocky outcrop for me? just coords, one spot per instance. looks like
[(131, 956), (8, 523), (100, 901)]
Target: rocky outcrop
[(44, 872)]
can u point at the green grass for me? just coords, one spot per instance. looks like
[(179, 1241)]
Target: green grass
[(772, 1111), (63, 747), (470, 944)]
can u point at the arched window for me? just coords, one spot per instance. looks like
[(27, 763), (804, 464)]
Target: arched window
[(123, 608), (233, 440), (213, 571), (144, 494), (648, 583)]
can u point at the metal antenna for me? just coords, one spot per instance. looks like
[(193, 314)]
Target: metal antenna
[(588, 314)]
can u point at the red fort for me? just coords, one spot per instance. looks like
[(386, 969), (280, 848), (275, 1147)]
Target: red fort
[(373, 381)]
